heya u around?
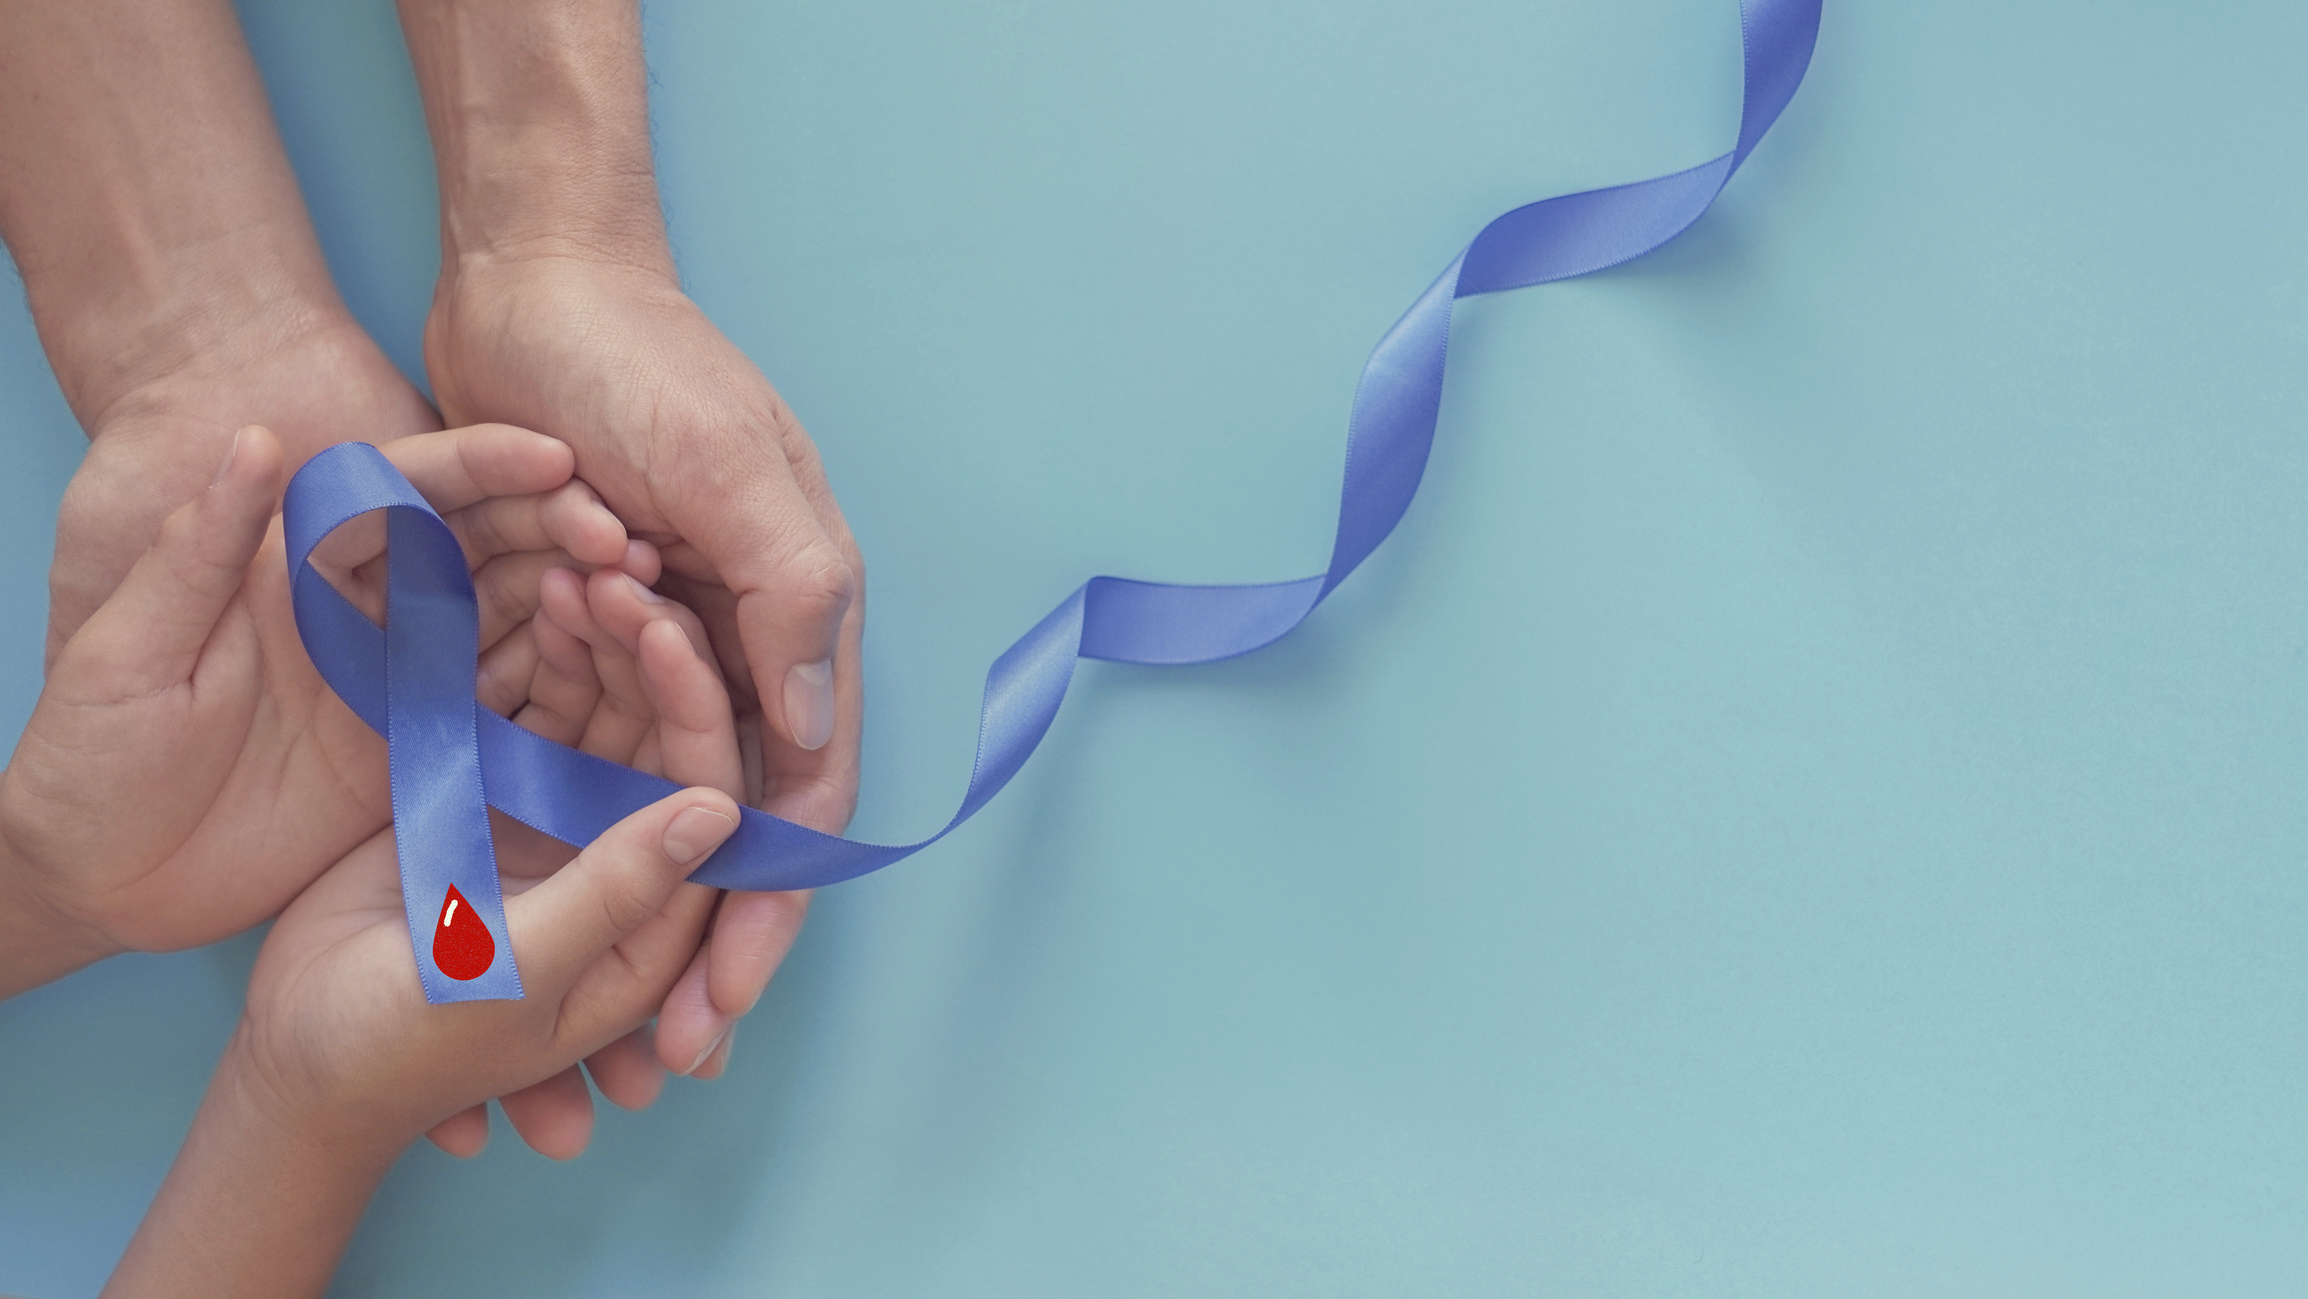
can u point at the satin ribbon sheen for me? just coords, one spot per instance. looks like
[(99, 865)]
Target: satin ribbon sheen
[(413, 679)]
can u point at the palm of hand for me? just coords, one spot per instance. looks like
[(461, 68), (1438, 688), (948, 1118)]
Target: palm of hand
[(335, 991), (247, 779)]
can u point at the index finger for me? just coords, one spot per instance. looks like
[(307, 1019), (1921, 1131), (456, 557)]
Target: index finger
[(454, 469)]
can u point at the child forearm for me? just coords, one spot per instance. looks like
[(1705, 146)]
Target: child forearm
[(261, 1201)]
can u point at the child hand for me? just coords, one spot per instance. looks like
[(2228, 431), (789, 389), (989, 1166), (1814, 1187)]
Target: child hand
[(338, 1062), (622, 674), (186, 770), (751, 932), (336, 1015)]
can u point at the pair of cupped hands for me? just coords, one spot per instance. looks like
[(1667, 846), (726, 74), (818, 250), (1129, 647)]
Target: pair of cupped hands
[(187, 774)]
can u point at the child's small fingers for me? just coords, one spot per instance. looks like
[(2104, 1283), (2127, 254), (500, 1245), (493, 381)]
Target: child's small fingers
[(555, 1116), (751, 935), (681, 684), (563, 690), (623, 607), (575, 520), (688, 1026), (622, 715), (569, 518), (614, 887), (716, 608), (626, 1071), (149, 634), (642, 562), (561, 596), (508, 587), (629, 720), (463, 1133), (461, 466), (624, 719), (452, 470), (696, 732), (646, 755), (507, 671), (622, 722)]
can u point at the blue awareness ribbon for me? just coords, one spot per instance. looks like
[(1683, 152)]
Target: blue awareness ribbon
[(413, 678)]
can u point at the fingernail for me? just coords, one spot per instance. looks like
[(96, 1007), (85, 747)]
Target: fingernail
[(809, 703), (696, 832), (643, 591), (231, 453), (707, 1053)]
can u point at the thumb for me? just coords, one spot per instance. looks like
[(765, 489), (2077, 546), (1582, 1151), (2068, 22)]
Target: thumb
[(622, 880), (149, 633)]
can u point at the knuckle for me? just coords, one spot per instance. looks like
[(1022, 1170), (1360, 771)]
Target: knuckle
[(187, 557), (625, 904), (178, 533), (819, 581), (480, 534), (824, 802)]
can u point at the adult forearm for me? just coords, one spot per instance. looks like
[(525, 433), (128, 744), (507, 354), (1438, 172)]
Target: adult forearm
[(257, 1202), (539, 112), (144, 192)]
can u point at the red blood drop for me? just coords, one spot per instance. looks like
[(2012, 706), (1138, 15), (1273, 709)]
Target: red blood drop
[(462, 947)]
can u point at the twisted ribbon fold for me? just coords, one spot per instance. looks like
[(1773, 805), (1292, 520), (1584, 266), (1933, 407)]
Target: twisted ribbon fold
[(413, 679)]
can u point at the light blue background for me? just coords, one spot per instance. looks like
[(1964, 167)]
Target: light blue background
[(1809, 803)]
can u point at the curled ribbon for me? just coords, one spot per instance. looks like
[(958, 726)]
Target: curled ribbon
[(413, 678)]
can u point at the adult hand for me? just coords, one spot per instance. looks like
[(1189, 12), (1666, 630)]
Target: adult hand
[(693, 449), (691, 446), (559, 304)]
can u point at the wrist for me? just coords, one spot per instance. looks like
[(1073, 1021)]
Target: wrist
[(297, 1115), (482, 280), (539, 114), (258, 1201), (480, 332), (189, 318), (147, 202)]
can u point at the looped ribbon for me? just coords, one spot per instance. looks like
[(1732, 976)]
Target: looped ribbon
[(413, 678)]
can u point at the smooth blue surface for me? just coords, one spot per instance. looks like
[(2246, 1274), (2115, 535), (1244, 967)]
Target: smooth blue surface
[(1867, 801)]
